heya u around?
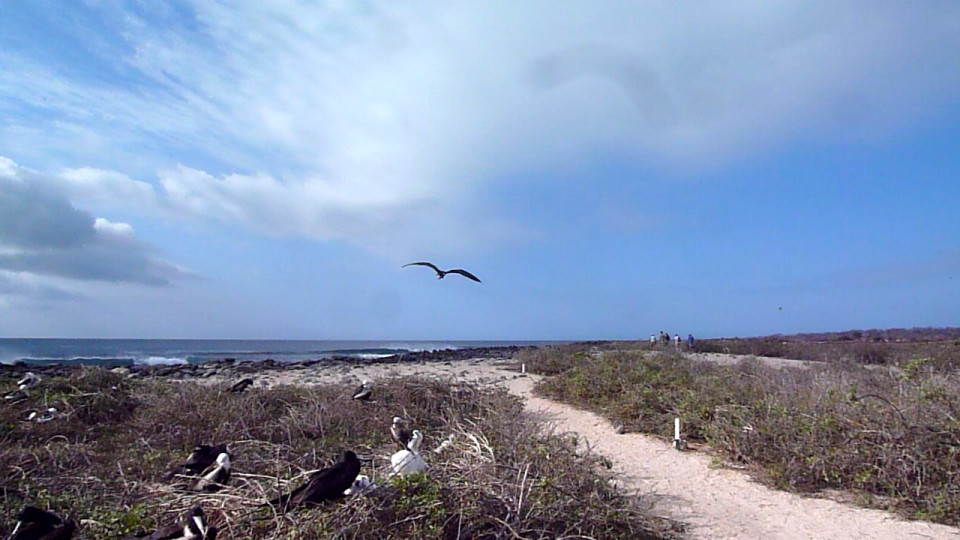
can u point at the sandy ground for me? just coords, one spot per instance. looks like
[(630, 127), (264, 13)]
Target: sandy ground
[(716, 503)]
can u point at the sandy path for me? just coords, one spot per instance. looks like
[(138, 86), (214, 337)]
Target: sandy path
[(720, 503), (716, 503)]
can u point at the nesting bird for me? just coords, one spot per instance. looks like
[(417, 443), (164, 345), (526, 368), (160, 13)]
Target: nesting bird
[(191, 526), (44, 417), (240, 386), (17, 395), (36, 524), (409, 461), (447, 443), (202, 457), (360, 486), (324, 485), (30, 380), (216, 475), (400, 434), (363, 391)]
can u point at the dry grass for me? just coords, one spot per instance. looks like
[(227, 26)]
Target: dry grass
[(889, 434), (102, 462), (943, 355)]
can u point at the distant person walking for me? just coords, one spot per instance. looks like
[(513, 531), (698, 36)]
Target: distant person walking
[(690, 341), (676, 341), (653, 339)]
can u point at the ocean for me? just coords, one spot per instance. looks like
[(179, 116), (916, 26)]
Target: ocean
[(110, 352)]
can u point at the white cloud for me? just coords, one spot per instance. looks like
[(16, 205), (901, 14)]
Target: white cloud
[(105, 189), (42, 235), (381, 123), (107, 227)]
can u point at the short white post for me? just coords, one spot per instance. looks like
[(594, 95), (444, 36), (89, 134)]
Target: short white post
[(523, 368), (678, 443)]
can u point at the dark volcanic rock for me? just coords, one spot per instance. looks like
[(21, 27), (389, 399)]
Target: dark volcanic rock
[(230, 367)]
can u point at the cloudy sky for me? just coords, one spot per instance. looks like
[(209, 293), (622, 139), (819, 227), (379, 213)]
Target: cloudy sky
[(608, 169)]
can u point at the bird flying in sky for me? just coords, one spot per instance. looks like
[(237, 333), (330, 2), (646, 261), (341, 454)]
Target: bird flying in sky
[(442, 273)]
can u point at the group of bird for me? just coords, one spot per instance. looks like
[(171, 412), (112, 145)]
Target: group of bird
[(209, 467), (30, 380), (24, 385)]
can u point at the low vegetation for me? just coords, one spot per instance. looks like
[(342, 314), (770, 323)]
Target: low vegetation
[(102, 460), (888, 434), (861, 347)]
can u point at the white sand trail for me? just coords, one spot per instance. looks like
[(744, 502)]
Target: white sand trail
[(719, 503)]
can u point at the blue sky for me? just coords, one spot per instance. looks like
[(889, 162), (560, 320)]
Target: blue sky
[(608, 169)]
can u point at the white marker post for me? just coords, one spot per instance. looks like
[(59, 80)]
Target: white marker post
[(677, 443), (523, 368)]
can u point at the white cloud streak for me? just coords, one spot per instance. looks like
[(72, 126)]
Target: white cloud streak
[(380, 123)]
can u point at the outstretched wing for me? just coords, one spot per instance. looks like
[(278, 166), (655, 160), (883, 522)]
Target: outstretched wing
[(464, 273), (423, 263)]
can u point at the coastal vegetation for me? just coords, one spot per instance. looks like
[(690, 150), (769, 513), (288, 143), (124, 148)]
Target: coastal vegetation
[(101, 459), (886, 434)]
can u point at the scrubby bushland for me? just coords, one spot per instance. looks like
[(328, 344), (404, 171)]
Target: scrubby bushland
[(940, 354), (890, 434), (102, 461)]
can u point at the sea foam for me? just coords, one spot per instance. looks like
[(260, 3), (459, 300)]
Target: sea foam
[(160, 360)]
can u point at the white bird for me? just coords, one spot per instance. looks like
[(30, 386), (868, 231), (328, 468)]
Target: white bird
[(416, 438), (360, 486), (29, 380), (409, 461), (447, 443), (216, 475)]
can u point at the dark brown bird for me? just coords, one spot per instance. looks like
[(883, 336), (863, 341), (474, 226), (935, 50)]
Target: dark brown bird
[(442, 273), (400, 434), (191, 526), (240, 386), (202, 457), (325, 485), (36, 524), (364, 391)]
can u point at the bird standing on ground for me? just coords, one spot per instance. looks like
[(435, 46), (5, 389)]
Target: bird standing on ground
[(216, 475), (34, 523), (325, 485), (363, 391), (442, 273), (400, 435)]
